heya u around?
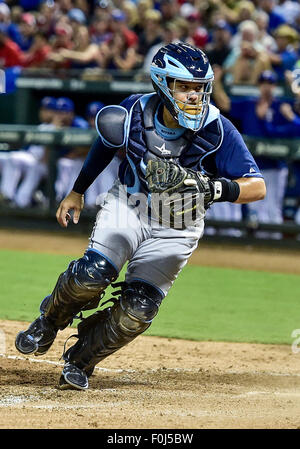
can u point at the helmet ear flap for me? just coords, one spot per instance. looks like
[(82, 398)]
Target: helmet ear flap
[(166, 101)]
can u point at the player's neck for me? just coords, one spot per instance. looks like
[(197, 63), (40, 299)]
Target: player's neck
[(169, 120)]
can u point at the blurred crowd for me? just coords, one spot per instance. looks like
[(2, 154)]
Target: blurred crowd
[(24, 172), (251, 43), (243, 37)]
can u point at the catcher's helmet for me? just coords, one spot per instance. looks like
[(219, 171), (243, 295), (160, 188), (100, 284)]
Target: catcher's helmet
[(183, 62)]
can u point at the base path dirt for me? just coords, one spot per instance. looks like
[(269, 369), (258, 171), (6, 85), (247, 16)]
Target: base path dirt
[(155, 383)]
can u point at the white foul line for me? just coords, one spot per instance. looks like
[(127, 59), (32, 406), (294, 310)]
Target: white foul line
[(150, 370)]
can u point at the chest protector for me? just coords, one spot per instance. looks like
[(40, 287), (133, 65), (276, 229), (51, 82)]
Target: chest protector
[(194, 150)]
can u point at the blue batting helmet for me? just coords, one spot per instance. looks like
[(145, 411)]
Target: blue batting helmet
[(64, 104), (93, 108), (183, 62), (48, 103)]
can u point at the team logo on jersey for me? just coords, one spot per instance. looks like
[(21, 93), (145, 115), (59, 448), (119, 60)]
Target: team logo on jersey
[(163, 150)]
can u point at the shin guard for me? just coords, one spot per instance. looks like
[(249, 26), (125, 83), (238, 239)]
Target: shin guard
[(108, 330)]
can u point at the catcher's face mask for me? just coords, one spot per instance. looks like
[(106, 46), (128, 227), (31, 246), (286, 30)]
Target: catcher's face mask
[(175, 66), (191, 100)]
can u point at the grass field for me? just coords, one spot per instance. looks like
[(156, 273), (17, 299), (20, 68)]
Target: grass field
[(217, 304)]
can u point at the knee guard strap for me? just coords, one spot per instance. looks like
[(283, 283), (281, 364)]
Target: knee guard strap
[(79, 288), (110, 329)]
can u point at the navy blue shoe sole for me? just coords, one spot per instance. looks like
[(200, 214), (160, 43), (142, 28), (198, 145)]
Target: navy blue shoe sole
[(67, 384), (25, 344)]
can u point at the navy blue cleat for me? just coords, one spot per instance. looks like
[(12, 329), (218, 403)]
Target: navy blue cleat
[(73, 378), (38, 338)]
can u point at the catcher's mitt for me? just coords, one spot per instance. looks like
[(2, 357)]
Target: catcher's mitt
[(178, 195)]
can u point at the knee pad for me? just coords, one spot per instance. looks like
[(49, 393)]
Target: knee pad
[(140, 301), (92, 272), (79, 288)]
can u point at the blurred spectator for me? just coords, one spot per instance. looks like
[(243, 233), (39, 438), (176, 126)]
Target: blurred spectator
[(152, 33), (285, 56), (274, 170), (219, 48), (24, 169), (116, 55), (27, 29), (62, 37), (275, 19), (170, 34), (244, 10), (30, 5), (261, 19), (47, 18), (290, 127), (169, 10), (37, 55), (234, 12), (103, 7), (247, 31), (65, 5), (249, 64), (84, 53), (84, 5), (130, 10), (71, 160), (118, 24), (197, 33), (92, 110), (100, 31), (182, 26), (248, 58), (142, 7), (288, 10), (10, 53), (77, 19), (12, 29)]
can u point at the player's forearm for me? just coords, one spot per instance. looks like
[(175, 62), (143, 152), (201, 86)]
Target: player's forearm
[(251, 189)]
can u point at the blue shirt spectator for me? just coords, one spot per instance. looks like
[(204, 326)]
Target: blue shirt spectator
[(285, 56), (275, 18)]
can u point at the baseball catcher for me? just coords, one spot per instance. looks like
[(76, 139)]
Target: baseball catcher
[(181, 156)]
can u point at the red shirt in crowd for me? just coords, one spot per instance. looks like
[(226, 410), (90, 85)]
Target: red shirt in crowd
[(10, 54)]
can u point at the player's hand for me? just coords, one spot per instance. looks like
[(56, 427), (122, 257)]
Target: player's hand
[(73, 202), (287, 111)]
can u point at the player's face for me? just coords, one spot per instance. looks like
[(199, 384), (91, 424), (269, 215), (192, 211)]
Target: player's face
[(46, 115), (188, 95), (266, 88), (64, 117)]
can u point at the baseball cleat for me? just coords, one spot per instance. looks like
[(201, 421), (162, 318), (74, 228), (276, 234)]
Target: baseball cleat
[(38, 338), (73, 378)]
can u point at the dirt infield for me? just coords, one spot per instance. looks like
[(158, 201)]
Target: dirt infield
[(179, 384)]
